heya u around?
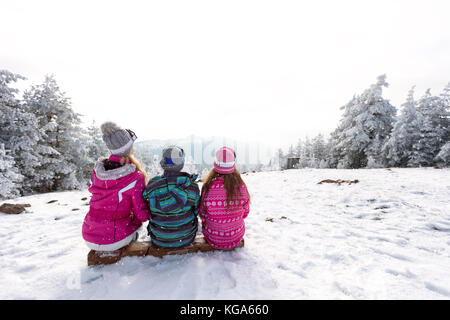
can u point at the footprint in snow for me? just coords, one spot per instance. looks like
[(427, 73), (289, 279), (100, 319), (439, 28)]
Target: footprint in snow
[(421, 193), (56, 254), (393, 255), (26, 269), (92, 279), (432, 287), (439, 228), (407, 274)]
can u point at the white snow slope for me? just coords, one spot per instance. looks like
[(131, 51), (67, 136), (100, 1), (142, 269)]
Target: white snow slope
[(387, 237)]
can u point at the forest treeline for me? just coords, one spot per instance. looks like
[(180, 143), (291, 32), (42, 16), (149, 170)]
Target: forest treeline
[(372, 134)]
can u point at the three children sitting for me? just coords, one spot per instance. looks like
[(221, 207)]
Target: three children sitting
[(171, 202)]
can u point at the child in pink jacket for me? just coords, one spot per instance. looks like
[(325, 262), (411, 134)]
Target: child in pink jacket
[(117, 208), (224, 202)]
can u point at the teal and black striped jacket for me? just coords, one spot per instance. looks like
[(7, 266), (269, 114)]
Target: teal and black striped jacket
[(174, 202)]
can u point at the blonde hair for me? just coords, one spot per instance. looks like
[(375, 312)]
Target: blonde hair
[(131, 159)]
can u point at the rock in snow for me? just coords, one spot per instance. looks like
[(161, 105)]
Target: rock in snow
[(339, 181), (13, 208)]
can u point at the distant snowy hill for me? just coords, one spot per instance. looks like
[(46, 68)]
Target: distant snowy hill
[(386, 237), (200, 151)]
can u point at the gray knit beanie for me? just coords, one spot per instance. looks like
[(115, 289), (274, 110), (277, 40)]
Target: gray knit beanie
[(172, 159), (119, 141)]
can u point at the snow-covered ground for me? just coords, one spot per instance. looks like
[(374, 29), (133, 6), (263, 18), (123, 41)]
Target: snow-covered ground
[(387, 237)]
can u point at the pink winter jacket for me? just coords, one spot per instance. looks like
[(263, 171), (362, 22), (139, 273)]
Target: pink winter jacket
[(117, 208), (223, 228)]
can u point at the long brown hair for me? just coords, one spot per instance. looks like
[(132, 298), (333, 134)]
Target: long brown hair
[(131, 159), (231, 181)]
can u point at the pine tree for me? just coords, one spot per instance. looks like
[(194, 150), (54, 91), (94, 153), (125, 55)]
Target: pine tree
[(334, 151), (306, 158), (319, 148), (61, 140), (399, 147), (10, 179), (299, 148), (95, 148), (443, 156), (433, 130), (444, 110), (281, 159), (18, 130), (349, 139), (365, 125)]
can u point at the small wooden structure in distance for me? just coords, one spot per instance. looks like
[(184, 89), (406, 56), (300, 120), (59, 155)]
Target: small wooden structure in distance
[(292, 162), (146, 248)]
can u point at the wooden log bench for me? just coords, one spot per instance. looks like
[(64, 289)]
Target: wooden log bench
[(146, 248)]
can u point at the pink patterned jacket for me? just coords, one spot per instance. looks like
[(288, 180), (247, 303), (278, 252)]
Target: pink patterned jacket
[(223, 228)]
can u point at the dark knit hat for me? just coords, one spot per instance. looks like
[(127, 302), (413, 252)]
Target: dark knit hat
[(172, 159), (119, 141)]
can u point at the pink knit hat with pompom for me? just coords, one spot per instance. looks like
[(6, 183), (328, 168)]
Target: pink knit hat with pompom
[(225, 160)]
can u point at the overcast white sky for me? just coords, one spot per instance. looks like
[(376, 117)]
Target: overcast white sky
[(269, 71)]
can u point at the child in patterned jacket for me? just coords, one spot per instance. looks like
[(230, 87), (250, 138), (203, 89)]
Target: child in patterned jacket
[(173, 199), (224, 202)]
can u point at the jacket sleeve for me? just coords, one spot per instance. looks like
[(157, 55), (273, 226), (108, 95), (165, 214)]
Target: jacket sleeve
[(140, 208), (177, 198), (246, 200)]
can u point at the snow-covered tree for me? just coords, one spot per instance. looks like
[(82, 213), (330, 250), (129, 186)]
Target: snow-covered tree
[(10, 179), (319, 149), (95, 148), (444, 106), (433, 130), (349, 139), (310, 151), (366, 123), (18, 130), (306, 154), (281, 159), (62, 142), (443, 156), (324, 164), (334, 151), (399, 147)]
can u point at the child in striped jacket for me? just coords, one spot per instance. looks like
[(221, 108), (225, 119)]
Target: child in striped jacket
[(224, 203), (173, 200)]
